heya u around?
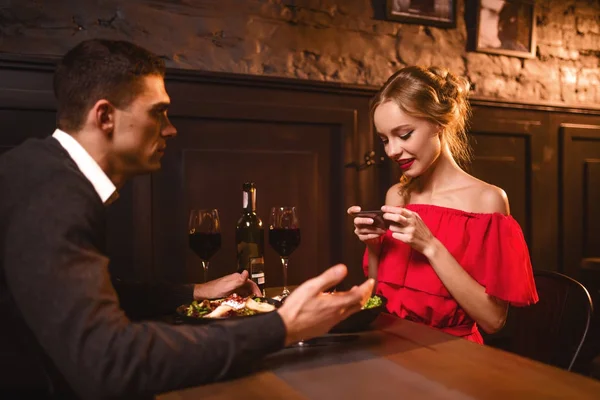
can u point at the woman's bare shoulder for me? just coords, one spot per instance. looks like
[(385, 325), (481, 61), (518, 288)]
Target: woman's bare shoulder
[(393, 196), (489, 198)]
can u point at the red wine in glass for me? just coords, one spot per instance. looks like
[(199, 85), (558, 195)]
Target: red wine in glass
[(284, 241), (284, 236), (204, 235), (205, 245)]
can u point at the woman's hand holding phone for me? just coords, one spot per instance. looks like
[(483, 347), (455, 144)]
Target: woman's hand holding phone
[(369, 226)]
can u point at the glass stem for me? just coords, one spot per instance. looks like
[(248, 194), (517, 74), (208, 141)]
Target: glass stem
[(284, 263), (205, 268)]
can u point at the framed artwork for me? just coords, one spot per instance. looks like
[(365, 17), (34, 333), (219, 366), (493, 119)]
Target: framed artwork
[(506, 27), (441, 13)]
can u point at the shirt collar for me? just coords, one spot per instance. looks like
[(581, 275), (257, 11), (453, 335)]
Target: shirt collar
[(88, 166)]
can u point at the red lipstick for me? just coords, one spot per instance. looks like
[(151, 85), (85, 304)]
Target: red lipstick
[(406, 163)]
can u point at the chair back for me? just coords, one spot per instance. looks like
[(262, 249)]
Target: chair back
[(553, 330)]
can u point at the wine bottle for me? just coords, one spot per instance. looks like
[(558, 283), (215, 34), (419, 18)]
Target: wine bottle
[(249, 237)]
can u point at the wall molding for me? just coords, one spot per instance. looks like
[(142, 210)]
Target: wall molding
[(47, 63)]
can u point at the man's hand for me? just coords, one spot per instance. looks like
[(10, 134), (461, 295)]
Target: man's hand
[(238, 283), (308, 312)]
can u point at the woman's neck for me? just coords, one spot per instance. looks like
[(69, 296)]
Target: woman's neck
[(441, 175)]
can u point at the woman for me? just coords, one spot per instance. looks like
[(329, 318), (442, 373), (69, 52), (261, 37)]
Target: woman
[(449, 255)]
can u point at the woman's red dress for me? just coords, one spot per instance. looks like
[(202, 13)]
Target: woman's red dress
[(490, 247)]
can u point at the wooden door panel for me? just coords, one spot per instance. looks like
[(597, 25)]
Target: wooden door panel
[(21, 124), (295, 157), (129, 232), (283, 177), (580, 197), (502, 161), (507, 144), (591, 207)]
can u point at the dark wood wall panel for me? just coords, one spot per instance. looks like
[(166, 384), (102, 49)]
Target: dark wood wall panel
[(293, 154), (502, 160), (294, 181), (591, 210), (305, 132), (20, 124), (579, 214), (580, 195), (129, 232), (363, 188), (518, 140)]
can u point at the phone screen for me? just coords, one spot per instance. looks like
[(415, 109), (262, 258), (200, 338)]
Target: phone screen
[(376, 215)]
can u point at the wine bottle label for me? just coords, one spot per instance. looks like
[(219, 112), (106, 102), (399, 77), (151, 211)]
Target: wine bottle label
[(259, 278), (257, 262), (257, 265), (257, 270)]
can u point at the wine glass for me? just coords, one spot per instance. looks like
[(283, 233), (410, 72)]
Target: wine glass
[(284, 236), (204, 235)]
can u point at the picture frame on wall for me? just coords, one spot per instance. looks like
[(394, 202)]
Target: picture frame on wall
[(440, 13), (506, 27)]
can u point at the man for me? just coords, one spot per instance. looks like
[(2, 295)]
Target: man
[(63, 314)]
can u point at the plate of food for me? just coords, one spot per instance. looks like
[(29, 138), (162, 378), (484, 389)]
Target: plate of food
[(232, 306), (362, 319)]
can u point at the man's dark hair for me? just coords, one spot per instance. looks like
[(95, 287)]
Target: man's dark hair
[(100, 69)]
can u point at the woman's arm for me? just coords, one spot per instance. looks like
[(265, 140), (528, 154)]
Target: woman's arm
[(488, 311), (373, 263)]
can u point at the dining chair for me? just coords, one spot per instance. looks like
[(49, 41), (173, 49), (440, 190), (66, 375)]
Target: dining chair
[(554, 329)]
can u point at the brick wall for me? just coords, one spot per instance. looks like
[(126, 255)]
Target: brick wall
[(330, 40)]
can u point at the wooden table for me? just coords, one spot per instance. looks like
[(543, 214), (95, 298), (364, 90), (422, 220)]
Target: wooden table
[(398, 359)]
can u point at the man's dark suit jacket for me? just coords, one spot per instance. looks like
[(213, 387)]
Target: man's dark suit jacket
[(63, 328)]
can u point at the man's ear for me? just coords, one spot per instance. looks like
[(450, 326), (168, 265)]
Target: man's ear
[(104, 116)]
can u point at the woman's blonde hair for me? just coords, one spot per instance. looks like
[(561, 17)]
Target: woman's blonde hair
[(436, 95)]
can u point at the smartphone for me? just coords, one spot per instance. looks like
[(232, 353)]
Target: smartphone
[(377, 216)]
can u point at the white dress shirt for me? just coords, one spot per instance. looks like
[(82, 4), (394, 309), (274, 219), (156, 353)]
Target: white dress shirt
[(88, 166)]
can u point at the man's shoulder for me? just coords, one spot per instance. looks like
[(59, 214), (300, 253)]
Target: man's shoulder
[(32, 152), (61, 201), (39, 167)]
